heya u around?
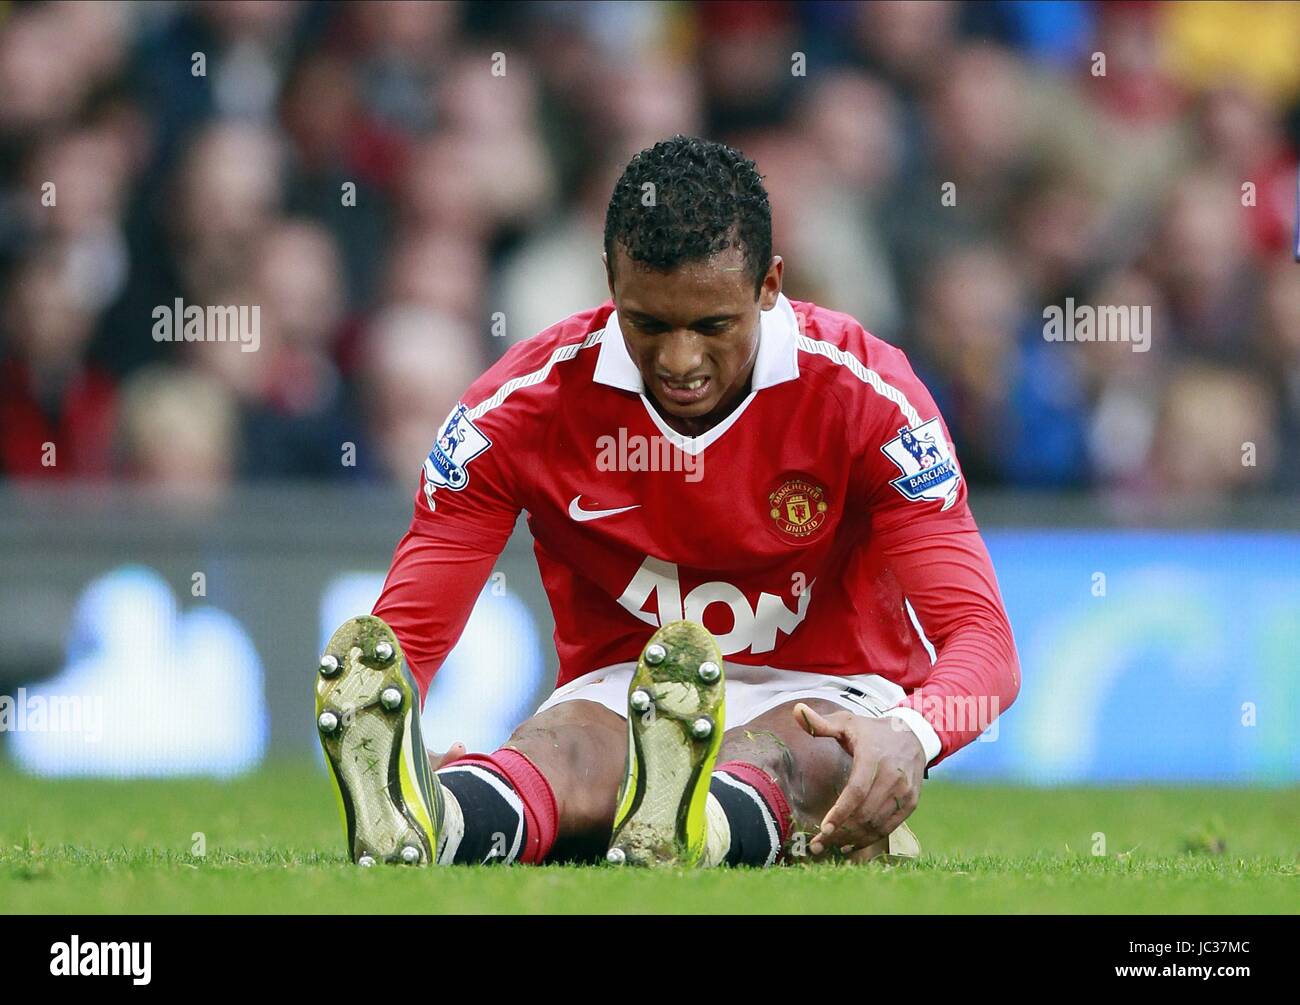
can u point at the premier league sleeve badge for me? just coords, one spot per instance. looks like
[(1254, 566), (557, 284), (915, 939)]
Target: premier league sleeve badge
[(459, 442), (930, 471)]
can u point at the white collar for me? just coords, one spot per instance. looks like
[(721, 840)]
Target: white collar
[(777, 360)]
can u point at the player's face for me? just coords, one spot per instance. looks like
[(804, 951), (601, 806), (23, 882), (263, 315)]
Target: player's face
[(693, 332)]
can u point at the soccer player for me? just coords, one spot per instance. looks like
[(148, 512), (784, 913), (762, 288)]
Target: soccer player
[(773, 609)]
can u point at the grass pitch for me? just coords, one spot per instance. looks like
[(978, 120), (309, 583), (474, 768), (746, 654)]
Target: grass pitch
[(271, 842)]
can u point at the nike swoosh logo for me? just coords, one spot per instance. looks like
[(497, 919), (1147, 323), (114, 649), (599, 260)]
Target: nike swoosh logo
[(583, 515)]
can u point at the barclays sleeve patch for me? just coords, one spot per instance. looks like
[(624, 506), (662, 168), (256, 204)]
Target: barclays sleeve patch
[(930, 472), (459, 442)]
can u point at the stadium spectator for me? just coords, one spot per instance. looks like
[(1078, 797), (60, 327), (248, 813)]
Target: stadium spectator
[(342, 165), (1215, 434), (179, 437), (57, 410), (416, 365)]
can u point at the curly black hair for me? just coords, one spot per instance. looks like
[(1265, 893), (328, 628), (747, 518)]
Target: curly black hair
[(707, 196)]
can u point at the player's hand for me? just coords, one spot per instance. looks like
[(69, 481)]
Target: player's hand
[(454, 753), (884, 783)]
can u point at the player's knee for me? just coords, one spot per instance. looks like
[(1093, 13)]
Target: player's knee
[(572, 729), (579, 747), (762, 748)]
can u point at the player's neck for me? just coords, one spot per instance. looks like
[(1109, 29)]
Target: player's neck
[(699, 425)]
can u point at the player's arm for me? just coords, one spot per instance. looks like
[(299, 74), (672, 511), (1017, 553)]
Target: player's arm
[(465, 510), (923, 526), (949, 580)]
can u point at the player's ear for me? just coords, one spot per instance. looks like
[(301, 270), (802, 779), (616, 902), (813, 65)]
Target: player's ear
[(771, 288), (609, 274)]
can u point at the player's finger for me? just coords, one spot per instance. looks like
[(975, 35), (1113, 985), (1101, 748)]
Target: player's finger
[(861, 842), (854, 836), (880, 802), (885, 807), (454, 753), (903, 805), (815, 724), (885, 804), (838, 820)]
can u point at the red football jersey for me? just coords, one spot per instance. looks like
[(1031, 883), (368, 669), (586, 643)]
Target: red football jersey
[(797, 530)]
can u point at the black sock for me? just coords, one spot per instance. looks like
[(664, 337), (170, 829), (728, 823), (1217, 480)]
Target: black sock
[(493, 815), (755, 836)]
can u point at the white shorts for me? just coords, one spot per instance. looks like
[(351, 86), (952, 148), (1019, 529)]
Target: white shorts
[(751, 691)]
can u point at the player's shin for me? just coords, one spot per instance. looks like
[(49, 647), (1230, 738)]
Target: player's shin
[(748, 817), (500, 808)]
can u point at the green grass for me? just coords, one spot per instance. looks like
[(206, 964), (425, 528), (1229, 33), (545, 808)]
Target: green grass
[(273, 845)]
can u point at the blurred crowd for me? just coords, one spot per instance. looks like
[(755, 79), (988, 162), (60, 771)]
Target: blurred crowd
[(405, 189)]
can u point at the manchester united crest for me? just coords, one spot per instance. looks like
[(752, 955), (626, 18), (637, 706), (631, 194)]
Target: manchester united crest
[(798, 507)]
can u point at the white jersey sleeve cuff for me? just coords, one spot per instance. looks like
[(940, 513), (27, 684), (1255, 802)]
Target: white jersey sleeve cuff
[(917, 723)]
